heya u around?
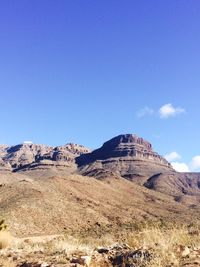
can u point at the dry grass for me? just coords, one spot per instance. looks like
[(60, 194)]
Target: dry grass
[(5, 239), (168, 245), (71, 246), (6, 263)]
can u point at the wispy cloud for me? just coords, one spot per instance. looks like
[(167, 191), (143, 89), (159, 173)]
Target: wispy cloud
[(172, 156), (146, 111), (174, 159), (164, 112), (195, 163), (168, 110), (180, 166)]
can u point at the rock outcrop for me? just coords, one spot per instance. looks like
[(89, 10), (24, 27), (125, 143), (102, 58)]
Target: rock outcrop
[(120, 255), (24, 154), (28, 156), (127, 155), (5, 166)]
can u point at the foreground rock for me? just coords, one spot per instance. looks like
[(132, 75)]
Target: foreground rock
[(115, 256), (119, 256)]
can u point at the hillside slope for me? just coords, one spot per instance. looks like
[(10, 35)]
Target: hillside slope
[(45, 190), (49, 205)]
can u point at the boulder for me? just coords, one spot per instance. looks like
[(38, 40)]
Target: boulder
[(119, 256)]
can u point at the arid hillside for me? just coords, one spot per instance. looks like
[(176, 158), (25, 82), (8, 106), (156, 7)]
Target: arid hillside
[(34, 205), (68, 189)]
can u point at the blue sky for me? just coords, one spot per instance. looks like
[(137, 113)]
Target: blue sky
[(84, 71)]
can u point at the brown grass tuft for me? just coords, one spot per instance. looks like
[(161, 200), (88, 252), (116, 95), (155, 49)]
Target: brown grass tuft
[(164, 243), (6, 263), (5, 239)]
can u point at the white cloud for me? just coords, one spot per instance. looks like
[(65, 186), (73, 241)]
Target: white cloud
[(144, 112), (164, 112), (168, 110), (172, 156), (180, 166), (174, 159), (28, 142), (195, 163)]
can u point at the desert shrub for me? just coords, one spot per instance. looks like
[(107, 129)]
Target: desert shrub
[(6, 263), (3, 225), (5, 236), (163, 243), (5, 239)]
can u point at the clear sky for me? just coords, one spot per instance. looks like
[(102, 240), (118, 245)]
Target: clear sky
[(84, 71)]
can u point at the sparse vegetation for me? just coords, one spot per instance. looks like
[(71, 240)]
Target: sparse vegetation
[(3, 225), (168, 245), (6, 263), (5, 236)]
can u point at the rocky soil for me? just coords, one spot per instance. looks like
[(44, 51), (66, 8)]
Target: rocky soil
[(118, 255)]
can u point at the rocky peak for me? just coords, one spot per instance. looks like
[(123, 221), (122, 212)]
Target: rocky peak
[(23, 154), (125, 145), (127, 155), (127, 139), (73, 148), (68, 152), (28, 147), (27, 154)]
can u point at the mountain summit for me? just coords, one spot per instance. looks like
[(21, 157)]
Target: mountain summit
[(126, 155), (125, 145)]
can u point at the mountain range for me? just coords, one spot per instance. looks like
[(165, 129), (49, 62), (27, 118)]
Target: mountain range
[(46, 189)]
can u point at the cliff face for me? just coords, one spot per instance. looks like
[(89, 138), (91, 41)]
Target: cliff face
[(127, 145), (26, 156), (127, 155), (68, 152)]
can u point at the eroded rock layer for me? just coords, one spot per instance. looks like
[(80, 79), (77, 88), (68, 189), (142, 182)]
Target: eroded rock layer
[(128, 155), (28, 156)]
